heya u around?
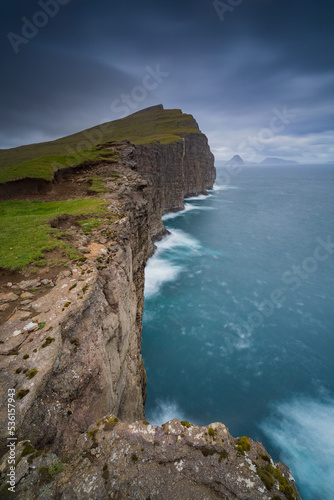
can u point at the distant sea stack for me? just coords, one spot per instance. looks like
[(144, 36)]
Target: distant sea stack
[(278, 161), (236, 160)]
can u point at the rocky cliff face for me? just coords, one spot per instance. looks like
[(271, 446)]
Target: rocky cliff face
[(71, 349), (181, 169), (140, 461), (74, 354)]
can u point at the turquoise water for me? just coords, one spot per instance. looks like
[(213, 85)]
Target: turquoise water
[(239, 315)]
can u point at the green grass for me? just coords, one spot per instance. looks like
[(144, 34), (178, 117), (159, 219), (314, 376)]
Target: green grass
[(89, 224), (44, 167), (144, 127), (25, 231), (97, 184)]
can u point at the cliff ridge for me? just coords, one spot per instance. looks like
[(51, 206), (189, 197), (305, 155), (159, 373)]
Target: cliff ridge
[(70, 342)]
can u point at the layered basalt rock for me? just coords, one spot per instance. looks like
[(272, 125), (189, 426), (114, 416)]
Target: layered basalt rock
[(181, 169)]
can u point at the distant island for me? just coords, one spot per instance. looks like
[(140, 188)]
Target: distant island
[(278, 161), (238, 161)]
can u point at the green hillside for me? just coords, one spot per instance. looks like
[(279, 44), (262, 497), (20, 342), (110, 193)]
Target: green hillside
[(144, 127), (20, 245)]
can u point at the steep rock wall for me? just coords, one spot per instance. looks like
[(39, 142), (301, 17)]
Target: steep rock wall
[(88, 354), (83, 338), (173, 172)]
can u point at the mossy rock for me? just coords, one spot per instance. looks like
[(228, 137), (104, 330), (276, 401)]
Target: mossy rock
[(22, 393), (212, 432), (186, 424), (280, 478), (110, 423), (269, 469), (27, 450), (243, 445), (93, 433), (266, 478), (48, 341), (32, 374), (288, 491), (45, 475), (35, 455), (222, 454)]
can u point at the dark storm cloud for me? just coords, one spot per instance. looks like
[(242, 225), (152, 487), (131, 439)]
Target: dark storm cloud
[(231, 74)]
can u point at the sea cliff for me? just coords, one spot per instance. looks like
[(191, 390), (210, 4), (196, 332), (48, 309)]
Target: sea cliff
[(71, 349)]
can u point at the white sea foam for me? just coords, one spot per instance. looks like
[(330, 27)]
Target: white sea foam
[(159, 271), (188, 207), (165, 411), (303, 429), (223, 187), (172, 215), (177, 239), (199, 197), (161, 268)]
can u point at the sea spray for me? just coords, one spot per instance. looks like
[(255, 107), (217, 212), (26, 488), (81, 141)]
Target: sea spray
[(303, 429)]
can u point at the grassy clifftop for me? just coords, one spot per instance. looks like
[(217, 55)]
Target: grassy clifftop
[(26, 238), (144, 127)]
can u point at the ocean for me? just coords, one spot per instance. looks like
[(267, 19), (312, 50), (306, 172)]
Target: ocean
[(238, 322)]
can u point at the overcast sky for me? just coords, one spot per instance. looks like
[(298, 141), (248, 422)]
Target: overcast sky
[(258, 75)]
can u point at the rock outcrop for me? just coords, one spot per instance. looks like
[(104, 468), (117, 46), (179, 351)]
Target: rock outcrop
[(139, 461)]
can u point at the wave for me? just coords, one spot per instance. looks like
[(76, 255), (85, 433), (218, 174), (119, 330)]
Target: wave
[(165, 411), (303, 429), (188, 207), (158, 272), (165, 265), (199, 197), (222, 187)]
